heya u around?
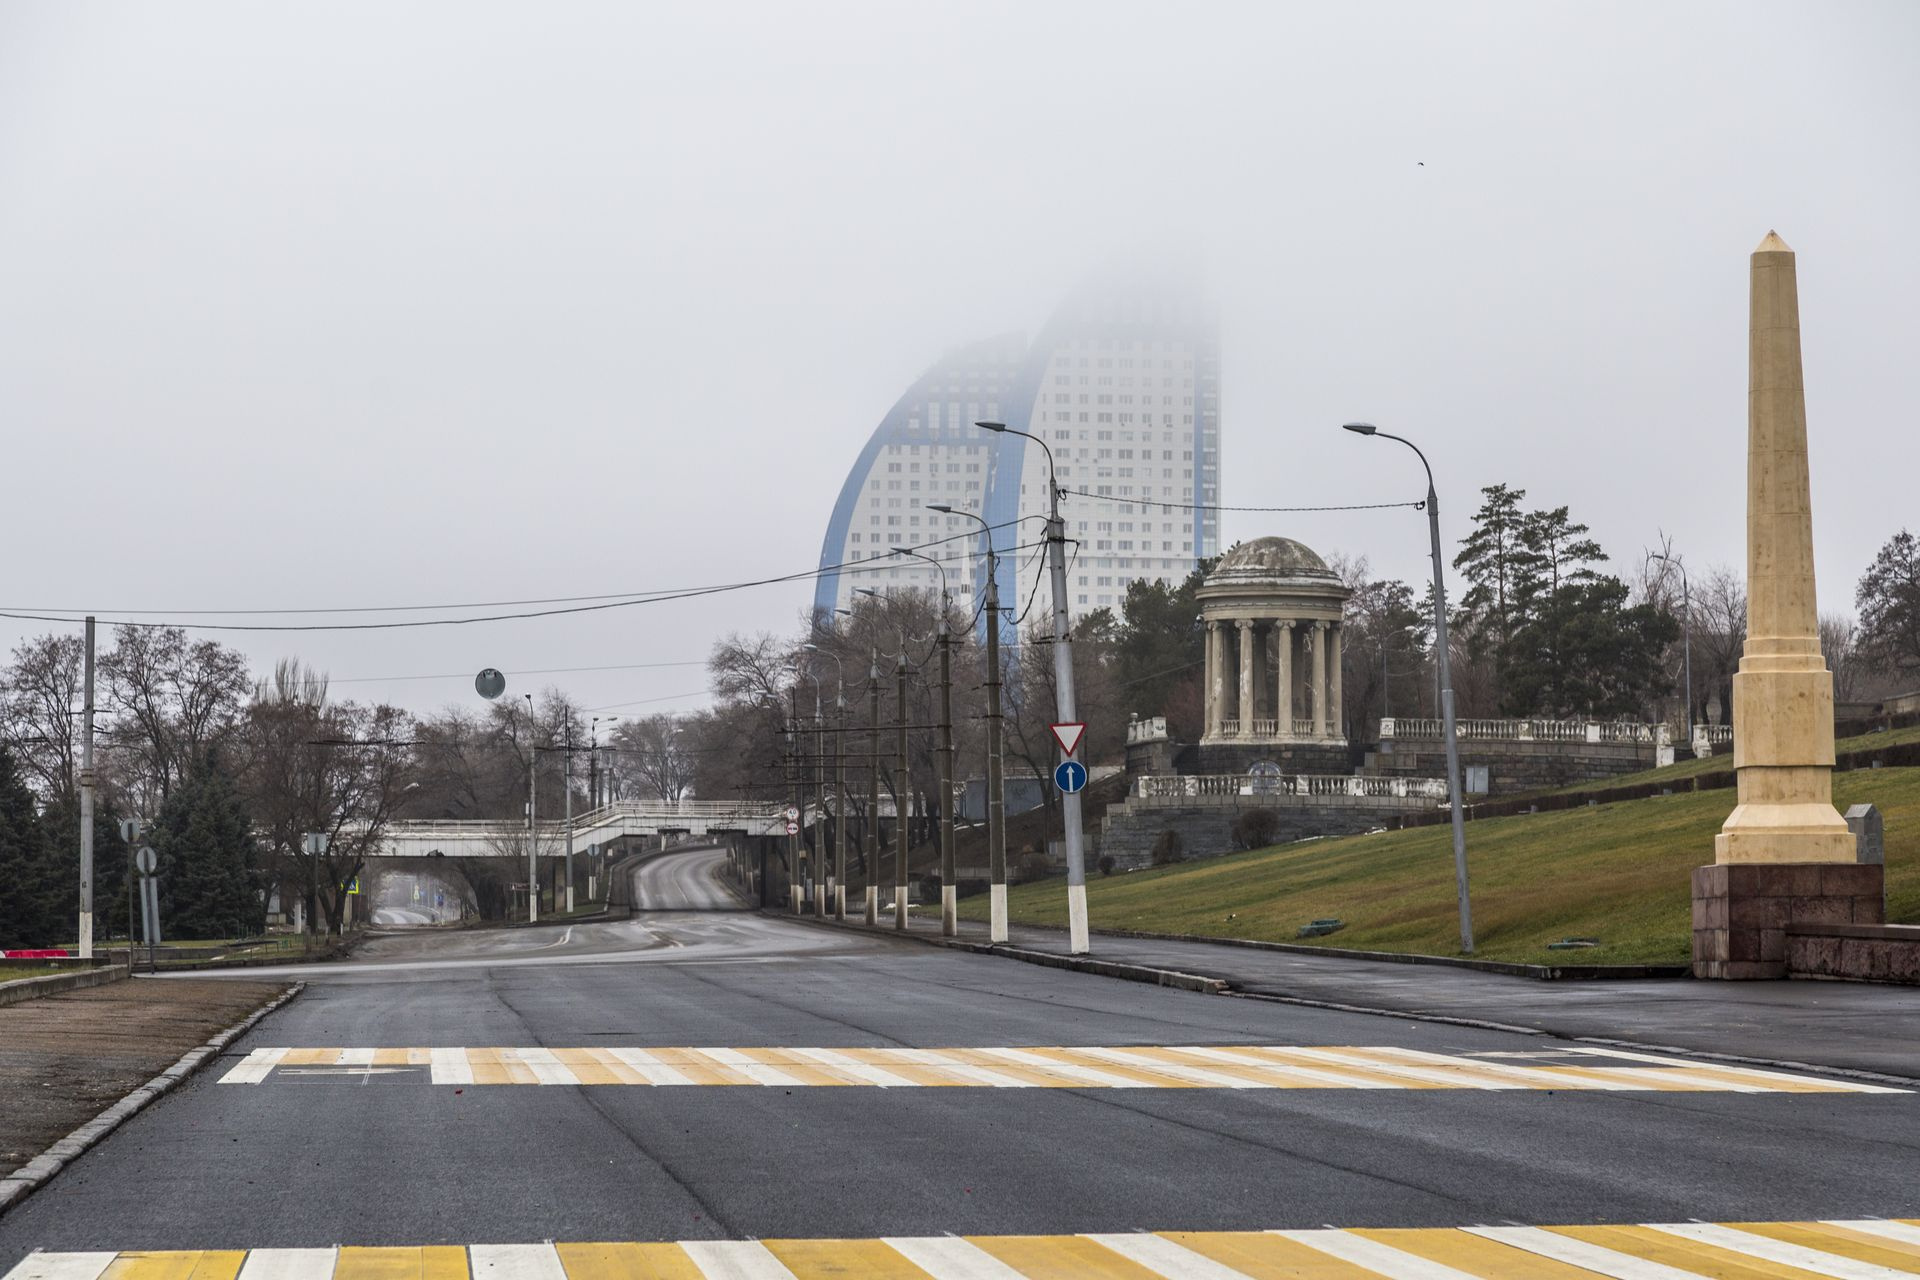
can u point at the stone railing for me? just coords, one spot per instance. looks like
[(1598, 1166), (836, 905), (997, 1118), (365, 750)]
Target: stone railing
[(1172, 789), (1708, 736), (1230, 727), (1594, 731), (1152, 729), (1265, 728), (1305, 728)]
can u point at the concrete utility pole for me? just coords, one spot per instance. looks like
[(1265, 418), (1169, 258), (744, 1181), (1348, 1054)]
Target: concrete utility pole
[(870, 853), (86, 806), (796, 786), (903, 792), (996, 796), (533, 838), (949, 894), (1446, 686), (837, 869), (567, 787)]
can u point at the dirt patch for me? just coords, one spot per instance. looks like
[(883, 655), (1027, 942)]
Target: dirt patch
[(66, 1058)]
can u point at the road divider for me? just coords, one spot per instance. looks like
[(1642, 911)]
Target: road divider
[(1224, 1066)]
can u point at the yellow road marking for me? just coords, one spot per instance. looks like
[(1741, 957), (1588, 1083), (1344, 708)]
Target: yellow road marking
[(1062, 1258), (1857, 1245), (627, 1262), (869, 1259), (434, 1262), (1686, 1255), (1475, 1256), (193, 1264), (1268, 1257)]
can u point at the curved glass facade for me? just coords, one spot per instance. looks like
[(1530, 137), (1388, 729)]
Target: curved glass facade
[(1124, 386)]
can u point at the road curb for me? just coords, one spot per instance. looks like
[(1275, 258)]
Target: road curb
[(1511, 968), (22, 1182), (1103, 968), (53, 984)]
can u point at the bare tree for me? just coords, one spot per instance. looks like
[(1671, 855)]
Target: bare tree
[(1719, 634), (175, 699), (40, 700), (1838, 636), (655, 751)]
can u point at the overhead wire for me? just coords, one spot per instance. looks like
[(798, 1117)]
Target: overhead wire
[(1417, 504)]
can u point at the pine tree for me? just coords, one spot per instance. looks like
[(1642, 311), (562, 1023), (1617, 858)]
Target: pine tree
[(33, 887), (211, 884)]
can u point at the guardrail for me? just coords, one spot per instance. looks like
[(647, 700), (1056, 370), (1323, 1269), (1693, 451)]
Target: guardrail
[(1590, 731)]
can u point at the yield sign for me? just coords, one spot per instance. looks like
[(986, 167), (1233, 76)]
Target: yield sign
[(1068, 735)]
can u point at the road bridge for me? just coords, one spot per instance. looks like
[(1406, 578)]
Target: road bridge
[(507, 838)]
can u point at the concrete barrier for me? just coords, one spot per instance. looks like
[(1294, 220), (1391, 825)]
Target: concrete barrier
[(55, 983)]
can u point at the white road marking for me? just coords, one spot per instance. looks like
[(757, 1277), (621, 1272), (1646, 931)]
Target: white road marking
[(1751, 1245), (848, 1066), (758, 1072), (1090, 1076), (1457, 1078), (1174, 1261), (61, 1266), (1339, 1080), (1579, 1253), (655, 1071), (1396, 1264), (354, 1058), (289, 1264), (1751, 1073), (1179, 1071), (1882, 1227), (546, 1068), (255, 1067), (451, 1066), (514, 1262), (951, 1258), (734, 1260)]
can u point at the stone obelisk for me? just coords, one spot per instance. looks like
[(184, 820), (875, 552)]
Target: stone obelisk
[(1785, 852)]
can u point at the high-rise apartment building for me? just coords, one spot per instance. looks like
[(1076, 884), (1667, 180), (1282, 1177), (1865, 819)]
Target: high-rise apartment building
[(1123, 385)]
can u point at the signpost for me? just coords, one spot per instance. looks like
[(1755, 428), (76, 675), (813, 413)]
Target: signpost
[(1070, 776), (146, 861)]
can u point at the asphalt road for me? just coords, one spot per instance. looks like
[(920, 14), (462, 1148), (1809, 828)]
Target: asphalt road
[(688, 881), (382, 1155)]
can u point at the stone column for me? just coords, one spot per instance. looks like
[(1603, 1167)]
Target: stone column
[(1215, 680), (1320, 679), (1335, 639), (1246, 676), (1283, 704), (1785, 852)]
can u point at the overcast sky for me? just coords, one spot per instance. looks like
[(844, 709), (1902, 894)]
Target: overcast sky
[(346, 305)]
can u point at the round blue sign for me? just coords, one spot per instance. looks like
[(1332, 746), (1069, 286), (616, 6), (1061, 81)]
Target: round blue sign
[(1070, 776)]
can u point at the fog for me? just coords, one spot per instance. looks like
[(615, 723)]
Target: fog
[(354, 305)]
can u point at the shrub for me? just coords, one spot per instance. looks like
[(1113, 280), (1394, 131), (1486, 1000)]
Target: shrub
[(1107, 864), (930, 887), (1168, 848), (1256, 828)]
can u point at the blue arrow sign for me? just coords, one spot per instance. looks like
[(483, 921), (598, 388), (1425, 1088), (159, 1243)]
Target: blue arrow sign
[(1070, 776)]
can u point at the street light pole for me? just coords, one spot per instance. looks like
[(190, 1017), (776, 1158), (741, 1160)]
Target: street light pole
[(1446, 686), (902, 793), (1686, 637), (949, 891), (86, 807), (1077, 941), (837, 872), (996, 797)]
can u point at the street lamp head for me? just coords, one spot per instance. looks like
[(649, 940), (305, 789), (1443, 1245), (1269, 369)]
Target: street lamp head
[(866, 591), (938, 507), (991, 426), (1359, 428)]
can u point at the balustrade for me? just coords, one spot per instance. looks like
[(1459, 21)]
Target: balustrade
[(1169, 788)]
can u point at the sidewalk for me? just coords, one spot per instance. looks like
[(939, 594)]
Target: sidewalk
[(1840, 1025)]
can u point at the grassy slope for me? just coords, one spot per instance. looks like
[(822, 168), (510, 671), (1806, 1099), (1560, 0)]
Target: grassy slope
[(1615, 872), (27, 969), (1724, 763)]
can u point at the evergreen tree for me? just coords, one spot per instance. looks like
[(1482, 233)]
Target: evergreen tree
[(1498, 567), (211, 882), (34, 891), (1585, 653), (1889, 600), (62, 823)]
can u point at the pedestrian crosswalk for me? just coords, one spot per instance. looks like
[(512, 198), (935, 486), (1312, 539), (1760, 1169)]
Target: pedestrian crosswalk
[(1246, 1066), (1852, 1249)]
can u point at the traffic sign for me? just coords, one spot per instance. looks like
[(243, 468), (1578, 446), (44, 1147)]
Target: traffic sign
[(793, 828), (489, 684), (793, 814), (1070, 776), (1068, 736), (145, 860), (353, 885)]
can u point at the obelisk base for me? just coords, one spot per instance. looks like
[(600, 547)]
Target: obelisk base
[(1741, 910)]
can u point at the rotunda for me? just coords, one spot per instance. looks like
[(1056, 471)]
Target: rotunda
[(1273, 612)]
